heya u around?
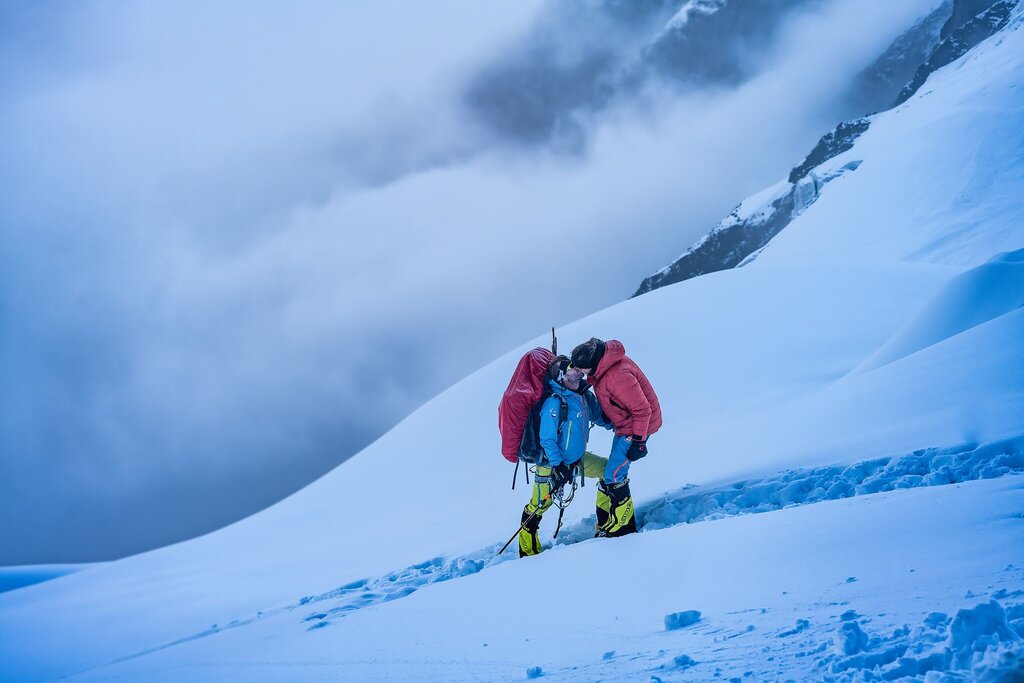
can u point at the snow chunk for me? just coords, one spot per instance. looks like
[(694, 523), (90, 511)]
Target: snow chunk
[(975, 630), (681, 619), (684, 662), (852, 638)]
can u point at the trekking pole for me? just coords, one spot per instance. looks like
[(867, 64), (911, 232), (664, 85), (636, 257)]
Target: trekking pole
[(554, 342)]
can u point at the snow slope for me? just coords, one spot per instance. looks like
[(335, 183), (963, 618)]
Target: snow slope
[(765, 611), (839, 345)]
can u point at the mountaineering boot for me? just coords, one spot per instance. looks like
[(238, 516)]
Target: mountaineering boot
[(614, 510), (529, 541)]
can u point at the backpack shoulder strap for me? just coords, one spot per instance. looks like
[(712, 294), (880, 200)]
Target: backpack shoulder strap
[(563, 408), (563, 411)]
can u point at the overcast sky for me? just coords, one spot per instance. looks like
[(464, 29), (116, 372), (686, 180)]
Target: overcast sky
[(239, 242)]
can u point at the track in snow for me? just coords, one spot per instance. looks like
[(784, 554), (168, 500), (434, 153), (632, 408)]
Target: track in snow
[(690, 504), (926, 467)]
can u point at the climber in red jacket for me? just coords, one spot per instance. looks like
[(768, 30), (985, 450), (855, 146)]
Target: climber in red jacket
[(630, 404)]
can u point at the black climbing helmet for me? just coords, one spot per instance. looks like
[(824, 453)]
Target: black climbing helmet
[(588, 354)]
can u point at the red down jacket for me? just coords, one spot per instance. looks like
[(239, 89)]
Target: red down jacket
[(524, 389), (626, 396)]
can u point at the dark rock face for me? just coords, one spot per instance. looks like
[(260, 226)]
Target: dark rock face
[(830, 145), (725, 246), (748, 229), (876, 87), (972, 21), (963, 12), (745, 231)]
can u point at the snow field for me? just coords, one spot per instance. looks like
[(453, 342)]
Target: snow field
[(928, 467)]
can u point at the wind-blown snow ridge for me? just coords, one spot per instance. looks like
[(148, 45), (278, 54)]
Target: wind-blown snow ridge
[(399, 584), (983, 640), (926, 467)]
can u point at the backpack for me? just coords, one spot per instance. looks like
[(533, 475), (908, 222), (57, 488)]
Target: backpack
[(519, 410)]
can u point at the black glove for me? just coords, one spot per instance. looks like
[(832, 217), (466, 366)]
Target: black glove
[(637, 448), (560, 476)]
